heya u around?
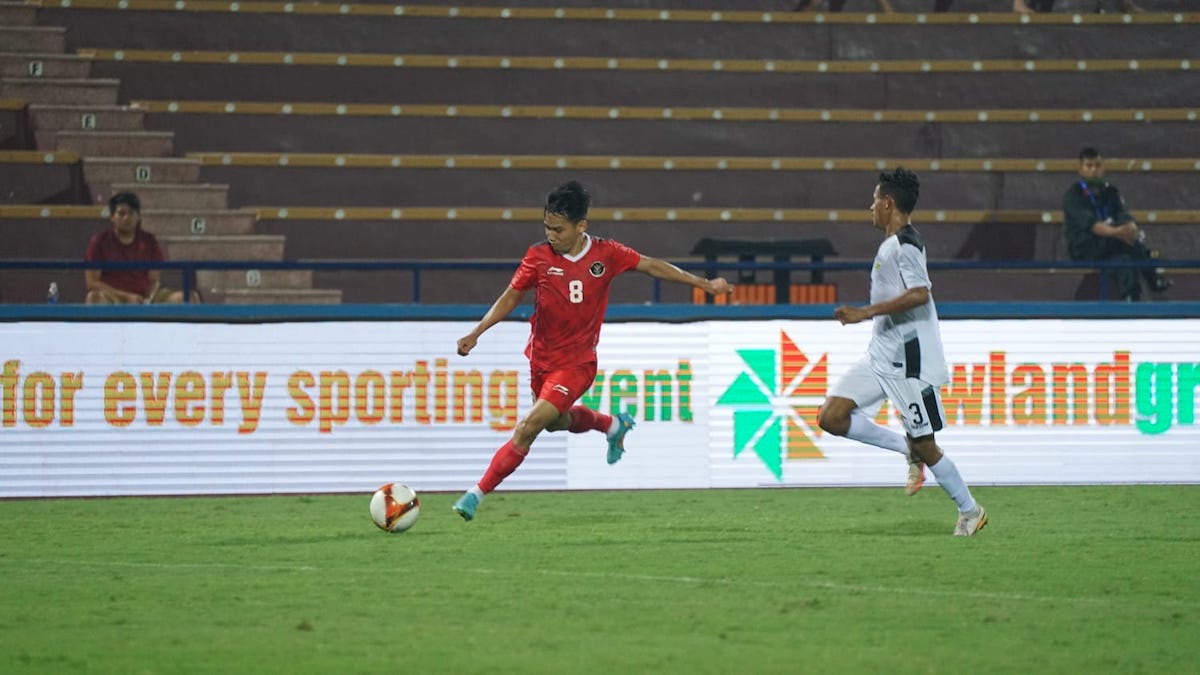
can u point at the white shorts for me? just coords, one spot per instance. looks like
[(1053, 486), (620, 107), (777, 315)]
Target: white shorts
[(918, 402)]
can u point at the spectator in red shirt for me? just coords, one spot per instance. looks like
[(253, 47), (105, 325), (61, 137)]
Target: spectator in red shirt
[(570, 274), (126, 241)]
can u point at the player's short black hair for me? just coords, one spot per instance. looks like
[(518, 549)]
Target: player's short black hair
[(902, 186), (1089, 153), (569, 200), (128, 199)]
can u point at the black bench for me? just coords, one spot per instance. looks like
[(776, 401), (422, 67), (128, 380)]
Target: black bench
[(780, 251)]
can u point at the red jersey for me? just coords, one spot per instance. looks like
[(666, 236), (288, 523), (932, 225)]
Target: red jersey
[(570, 298), (105, 247)]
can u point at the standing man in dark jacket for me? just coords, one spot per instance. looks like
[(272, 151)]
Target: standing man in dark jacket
[(1099, 227)]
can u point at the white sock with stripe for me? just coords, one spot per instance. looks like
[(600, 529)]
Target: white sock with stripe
[(864, 430)]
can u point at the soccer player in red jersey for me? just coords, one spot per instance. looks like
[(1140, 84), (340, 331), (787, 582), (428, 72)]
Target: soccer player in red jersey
[(570, 274)]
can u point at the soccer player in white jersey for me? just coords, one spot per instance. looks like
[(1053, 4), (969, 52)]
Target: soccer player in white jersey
[(904, 362)]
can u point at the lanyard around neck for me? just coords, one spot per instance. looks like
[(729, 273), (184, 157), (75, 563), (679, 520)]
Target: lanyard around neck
[(1098, 209)]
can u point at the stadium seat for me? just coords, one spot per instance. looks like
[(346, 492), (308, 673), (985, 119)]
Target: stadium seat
[(354, 141)]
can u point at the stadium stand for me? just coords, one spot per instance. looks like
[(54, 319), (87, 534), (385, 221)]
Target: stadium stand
[(88, 147), (361, 131)]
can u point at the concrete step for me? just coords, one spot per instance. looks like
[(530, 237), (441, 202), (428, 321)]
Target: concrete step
[(14, 133), (1171, 86), (851, 38), (244, 247), (35, 181), (37, 39), (60, 66), (100, 173), (98, 91), (283, 297), (197, 222), (948, 137), (17, 14), (1014, 187), (206, 196), (108, 143), (50, 118), (261, 280)]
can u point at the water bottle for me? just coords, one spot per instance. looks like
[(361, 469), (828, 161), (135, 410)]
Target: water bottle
[(52, 294)]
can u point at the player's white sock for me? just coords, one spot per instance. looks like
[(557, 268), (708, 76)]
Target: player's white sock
[(477, 492), (864, 430), (952, 482)]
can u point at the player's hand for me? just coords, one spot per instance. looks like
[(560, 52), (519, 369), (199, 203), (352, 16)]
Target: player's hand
[(718, 286), (847, 314), (466, 344), (1128, 233)]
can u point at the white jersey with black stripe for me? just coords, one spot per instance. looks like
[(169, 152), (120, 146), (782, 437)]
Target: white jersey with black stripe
[(909, 343)]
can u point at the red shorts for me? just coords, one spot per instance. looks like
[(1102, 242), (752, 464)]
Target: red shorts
[(561, 388)]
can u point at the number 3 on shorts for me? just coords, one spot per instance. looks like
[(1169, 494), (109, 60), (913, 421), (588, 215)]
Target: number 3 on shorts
[(917, 419)]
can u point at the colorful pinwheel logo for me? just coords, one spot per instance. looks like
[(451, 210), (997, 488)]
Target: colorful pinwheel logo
[(776, 402)]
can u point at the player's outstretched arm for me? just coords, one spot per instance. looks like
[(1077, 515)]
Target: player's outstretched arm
[(913, 297), (500, 309), (661, 269)]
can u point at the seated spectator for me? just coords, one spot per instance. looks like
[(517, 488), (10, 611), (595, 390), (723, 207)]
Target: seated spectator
[(126, 241), (1097, 226)]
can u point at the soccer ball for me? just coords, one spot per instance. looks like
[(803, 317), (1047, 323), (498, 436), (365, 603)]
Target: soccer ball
[(395, 507)]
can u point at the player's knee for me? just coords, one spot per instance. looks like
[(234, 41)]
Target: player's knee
[(833, 421), (527, 430), (559, 423)]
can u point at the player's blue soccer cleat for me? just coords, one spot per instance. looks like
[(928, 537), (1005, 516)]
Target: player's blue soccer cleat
[(616, 438), (466, 505)]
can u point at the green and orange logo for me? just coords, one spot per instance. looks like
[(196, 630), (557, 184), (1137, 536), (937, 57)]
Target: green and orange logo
[(775, 403)]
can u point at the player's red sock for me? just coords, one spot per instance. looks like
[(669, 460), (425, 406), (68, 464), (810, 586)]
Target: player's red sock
[(585, 419), (504, 462)]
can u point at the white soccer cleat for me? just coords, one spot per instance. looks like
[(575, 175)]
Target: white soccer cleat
[(916, 475), (971, 522)]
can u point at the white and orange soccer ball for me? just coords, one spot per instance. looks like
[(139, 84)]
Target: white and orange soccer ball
[(395, 507)]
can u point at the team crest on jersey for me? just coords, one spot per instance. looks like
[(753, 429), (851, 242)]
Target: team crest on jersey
[(597, 269)]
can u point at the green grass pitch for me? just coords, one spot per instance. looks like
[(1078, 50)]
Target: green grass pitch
[(1063, 580)]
